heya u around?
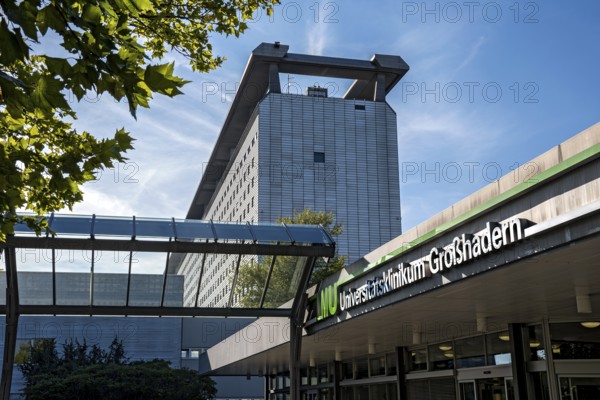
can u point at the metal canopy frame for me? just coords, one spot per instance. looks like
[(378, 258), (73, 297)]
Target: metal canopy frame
[(168, 236)]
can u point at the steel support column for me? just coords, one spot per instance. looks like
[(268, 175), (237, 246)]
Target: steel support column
[(267, 388), (234, 281), (128, 280), (295, 352), (337, 378), (11, 322), (519, 348), (267, 282), (550, 370), (296, 324), (401, 365), (165, 276)]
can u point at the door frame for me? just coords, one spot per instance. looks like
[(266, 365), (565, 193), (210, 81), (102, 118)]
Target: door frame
[(571, 376), (475, 391)]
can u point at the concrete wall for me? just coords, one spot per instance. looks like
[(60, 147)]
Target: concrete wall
[(567, 183)]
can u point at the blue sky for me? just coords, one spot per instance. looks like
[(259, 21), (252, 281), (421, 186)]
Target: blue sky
[(492, 85)]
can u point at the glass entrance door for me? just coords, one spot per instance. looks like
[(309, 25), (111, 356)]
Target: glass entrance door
[(491, 389), (487, 389), (467, 390), (580, 388)]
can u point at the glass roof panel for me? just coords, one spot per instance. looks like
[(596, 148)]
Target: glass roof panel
[(167, 228), (113, 226), (34, 268), (71, 224), (250, 281), (145, 290), (284, 282), (23, 228), (233, 231), (154, 228), (110, 277), (271, 233), (110, 289), (194, 229), (173, 291), (308, 234), (111, 284), (153, 280), (73, 288), (73, 276)]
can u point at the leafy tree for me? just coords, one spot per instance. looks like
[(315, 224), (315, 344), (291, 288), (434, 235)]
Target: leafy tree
[(42, 359), (322, 269), (84, 372), (37, 358), (285, 276), (108, 47)]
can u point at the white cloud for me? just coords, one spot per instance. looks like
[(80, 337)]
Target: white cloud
[(472, 53), (103, 202), (317, 38)]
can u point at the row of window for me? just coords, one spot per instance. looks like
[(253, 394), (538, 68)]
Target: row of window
[(192, 353), (232, 205), (569, 341), (217, 291), (229, 202), (360, 368), (491, 349), (382, 391)]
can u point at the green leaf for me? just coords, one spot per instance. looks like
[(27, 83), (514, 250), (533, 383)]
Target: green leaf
[(91, 13), (110, 46), (49, 17), (26, 18), (123, 139), (47, 96), (58, 66), (143, 5), (134, 6), (12, 45), (159, 78)]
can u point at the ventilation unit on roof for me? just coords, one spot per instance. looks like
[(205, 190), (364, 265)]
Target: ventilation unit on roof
[(316, 91)]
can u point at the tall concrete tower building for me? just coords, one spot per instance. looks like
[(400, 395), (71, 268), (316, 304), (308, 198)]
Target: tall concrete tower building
[(279, 152)]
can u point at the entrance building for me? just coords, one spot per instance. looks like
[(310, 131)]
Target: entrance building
[(495, 298)]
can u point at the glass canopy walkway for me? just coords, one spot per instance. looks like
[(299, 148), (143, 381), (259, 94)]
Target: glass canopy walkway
[(95, 265)]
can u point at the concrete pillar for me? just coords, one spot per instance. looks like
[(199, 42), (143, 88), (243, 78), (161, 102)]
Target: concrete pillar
[(380, 88), (519, 351), (337, 377), (401, 370), (11, 322), (295, 348), (274, 84), (267, 378)]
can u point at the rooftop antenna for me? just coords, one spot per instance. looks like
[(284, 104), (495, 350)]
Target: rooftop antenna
[(289, 78)]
